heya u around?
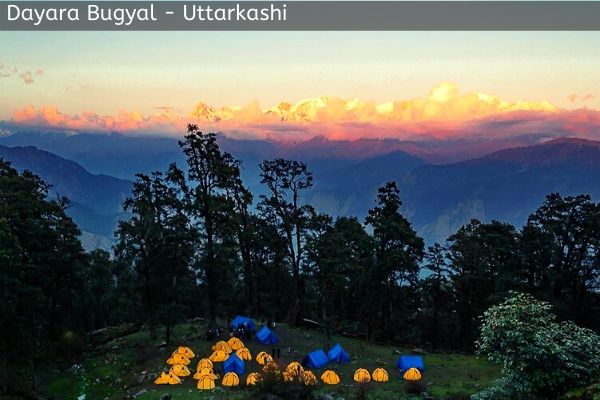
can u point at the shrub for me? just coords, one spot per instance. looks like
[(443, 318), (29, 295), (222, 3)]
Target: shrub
[(540, 357), (273, 383)]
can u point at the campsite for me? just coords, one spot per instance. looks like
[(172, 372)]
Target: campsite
[(130, 365)]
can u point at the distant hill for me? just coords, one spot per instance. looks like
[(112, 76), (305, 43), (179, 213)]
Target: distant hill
[(113, 154), (506, 185), (123, 156), (96, 199)]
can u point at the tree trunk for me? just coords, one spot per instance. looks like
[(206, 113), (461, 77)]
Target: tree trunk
[(168, 334), (4, 371), (436, 309), (249, 292), (33, 374), (152, 323), (209, 268)]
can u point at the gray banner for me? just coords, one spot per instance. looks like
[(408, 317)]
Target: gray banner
[(300, 15)]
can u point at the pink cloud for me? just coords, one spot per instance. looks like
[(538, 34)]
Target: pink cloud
[(584, 97), (124, 121), (443, 113)]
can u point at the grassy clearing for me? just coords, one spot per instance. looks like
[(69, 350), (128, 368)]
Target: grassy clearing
[(128, 366)]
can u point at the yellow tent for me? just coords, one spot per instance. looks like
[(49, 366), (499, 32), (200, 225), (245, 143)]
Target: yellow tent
[(294, 368), (380, 375), (205, 373), (180, 370), (412, 374), (308, 378), (167, 378), (244, 354), (253, 378), (362, 376), (263, 358), (206, 384), (204, 363), (178, 359), (222, 345), (235, 343), (186, 351), (218, 356), (230, 379), (330, 377)]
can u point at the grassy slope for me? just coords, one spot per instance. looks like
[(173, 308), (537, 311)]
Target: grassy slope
[(118, 369)]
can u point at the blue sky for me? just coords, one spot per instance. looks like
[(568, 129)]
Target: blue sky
[(137, 71)]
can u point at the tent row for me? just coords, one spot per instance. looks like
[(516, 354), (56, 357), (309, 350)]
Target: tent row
[(318, 359), (179, 361)]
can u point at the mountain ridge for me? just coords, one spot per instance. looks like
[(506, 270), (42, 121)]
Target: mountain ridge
[(96, 200), (437, 198)]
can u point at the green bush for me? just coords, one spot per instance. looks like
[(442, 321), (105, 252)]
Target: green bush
[(274, 384), (540, 357)]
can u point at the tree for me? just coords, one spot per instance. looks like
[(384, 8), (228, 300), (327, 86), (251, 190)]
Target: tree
[(484, 266), (158, 241), (398, 251), (210, 207), (285, 181), (242, 201), (540, 357), (338, 257), (40, 272), (437, 297), (561, 244), (274, 285), (112, 295)]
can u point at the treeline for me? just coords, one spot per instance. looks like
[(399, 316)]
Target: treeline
[(198, 244)]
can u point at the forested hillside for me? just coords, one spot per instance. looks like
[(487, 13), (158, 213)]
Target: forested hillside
[(198, 244)]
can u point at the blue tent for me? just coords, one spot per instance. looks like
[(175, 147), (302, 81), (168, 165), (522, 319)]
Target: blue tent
[(239, 320), (317, 359), (406, 362), (338, 354), (266, 336), (233, 364)]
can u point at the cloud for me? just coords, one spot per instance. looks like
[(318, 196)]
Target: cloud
[(6, 71), (163, 108), (584, 97), (27, 77), (444, 113), (123, 121), (588, 97)]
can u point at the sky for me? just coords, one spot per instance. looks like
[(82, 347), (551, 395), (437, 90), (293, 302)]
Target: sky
[(148, 72)]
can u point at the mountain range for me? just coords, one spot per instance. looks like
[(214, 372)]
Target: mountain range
[(96, 200), (327, 108), (96, 170)]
